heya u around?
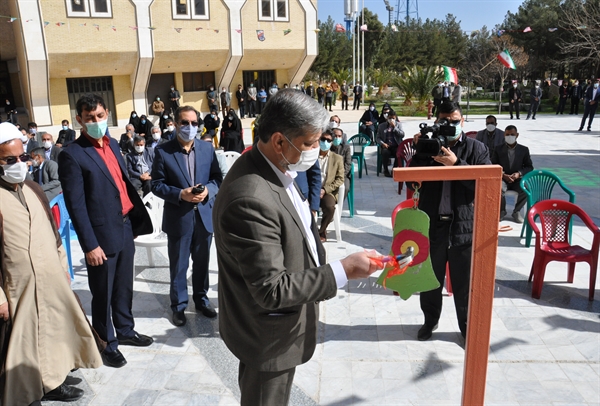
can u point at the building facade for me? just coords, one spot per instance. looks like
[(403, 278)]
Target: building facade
[(131, 51)]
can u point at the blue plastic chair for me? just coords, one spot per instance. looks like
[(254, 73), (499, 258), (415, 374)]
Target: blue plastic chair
[(538, 185), (359, 142), (65, 229)]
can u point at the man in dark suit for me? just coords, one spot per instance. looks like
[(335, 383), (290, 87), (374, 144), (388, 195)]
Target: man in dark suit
[(535, 96), (272, 267), (107, 214), (45, 173), (516, 162), (66, 135), (592, 97), (514, 98), (575, 94), (51, 151), (358, 94), (186, 174), (563, 95), (492, 136)]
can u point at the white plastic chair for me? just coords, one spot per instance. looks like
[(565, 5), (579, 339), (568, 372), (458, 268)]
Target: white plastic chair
[(231, 157), (154, 205), (337, 216)]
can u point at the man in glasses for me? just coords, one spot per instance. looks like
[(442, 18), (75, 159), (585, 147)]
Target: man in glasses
[(49, 334), (449, 206), (332, 177), (186, 174), (107, 214), (272, 266)]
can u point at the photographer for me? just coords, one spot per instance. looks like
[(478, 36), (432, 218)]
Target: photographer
[(449, 206)]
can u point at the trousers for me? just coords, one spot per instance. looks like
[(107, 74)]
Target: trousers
[(521, 198), (264, 388)]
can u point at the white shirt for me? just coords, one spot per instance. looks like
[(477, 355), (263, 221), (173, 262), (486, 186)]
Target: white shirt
[(303, 210), (323, 159)]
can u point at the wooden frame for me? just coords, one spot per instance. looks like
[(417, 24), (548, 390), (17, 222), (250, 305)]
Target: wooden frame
[(485, 244)]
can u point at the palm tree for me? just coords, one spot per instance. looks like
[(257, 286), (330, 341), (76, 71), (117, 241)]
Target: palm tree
[(340, 75), (417, 82), (381, 78)]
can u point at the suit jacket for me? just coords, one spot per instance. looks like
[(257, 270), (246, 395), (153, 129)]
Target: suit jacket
[(132, 162), (535, 93), (498, 138), (170, 176), (334, 176), (50, 182), (521, 164), (309, 183), (269, 282), (54, 153), (92, 197), (512, 92), (33, 144), (589, 93), (65, 137)]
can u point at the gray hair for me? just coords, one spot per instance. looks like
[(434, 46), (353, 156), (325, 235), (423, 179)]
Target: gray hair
[(129, 125), (155, 128), (293, 114)]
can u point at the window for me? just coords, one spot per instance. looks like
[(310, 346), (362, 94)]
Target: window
[(198, 81), (89, 8), (190, 9), (273, 10)]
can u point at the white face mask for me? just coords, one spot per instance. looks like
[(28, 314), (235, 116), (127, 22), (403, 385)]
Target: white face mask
[(515, 86), (156, 136), (307, 159), (537, 86), (171, 128), (47, 144), (139, 149), (16, 172), (490, 127), (510, 139), (333, 124)]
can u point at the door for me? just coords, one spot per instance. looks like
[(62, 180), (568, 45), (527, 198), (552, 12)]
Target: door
[(160, 85), (101, 86), (259, 78)]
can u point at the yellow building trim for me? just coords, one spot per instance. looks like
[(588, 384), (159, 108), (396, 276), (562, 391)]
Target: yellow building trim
[(122, 92), (59, 101)]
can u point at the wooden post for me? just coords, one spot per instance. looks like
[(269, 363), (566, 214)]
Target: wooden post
[(485, 243)]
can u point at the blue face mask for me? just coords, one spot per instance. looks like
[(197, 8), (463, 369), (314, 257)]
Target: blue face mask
[(324, 145), (143, 121), (65, 127), (337, 141), (457, 134), (97, 129), (187, 132)]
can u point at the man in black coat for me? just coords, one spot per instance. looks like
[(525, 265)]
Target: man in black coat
[(514, 98), (516, 162), (240, 95), (563, 95), (535, 96), (576, 93), (449, 206), (66, 135), (592, 97)]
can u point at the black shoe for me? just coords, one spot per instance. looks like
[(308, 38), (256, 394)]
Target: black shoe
[(425, 332), (179, 319), (518, 118), (502, 215), (387, 174), (589, 129), (138, 340), (207, 310), (64, 393), (511, 118), (113, 359), (533, 118), (580, 129)]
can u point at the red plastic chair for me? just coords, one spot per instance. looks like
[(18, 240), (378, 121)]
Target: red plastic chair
[(471, 134), (404, 154), (247, 149), (407, 204), (552, 243)]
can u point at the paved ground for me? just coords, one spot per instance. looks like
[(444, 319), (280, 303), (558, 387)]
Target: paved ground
[(543, 352)]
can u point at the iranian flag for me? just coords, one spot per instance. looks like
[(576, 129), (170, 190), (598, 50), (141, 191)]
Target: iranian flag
[(506, 60), (450, 74)]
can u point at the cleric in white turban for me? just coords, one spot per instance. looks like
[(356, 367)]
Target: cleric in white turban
[(44, 332)]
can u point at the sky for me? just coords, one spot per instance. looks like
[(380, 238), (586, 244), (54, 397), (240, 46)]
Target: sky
[(472, 14)]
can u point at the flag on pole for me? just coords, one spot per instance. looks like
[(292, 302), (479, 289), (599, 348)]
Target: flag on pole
[(364, 27), (552, 29), (450, 74), (528, 29), (506, 60), (339, 28)]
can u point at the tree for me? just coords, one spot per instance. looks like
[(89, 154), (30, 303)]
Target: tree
[(372, 37), (380, 78), (583, 45), (417, 82), (335, 49)]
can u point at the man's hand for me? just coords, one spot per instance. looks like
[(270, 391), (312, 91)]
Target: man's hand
[(592, 102), (145, 176), (368, 123), (58, 145), (95, 257), (384, 145), (447, 159), (322, 193), (358, 265), (188, 196), (512, 101), (416, 138), (4, 314), (515, 176), (507, 178)]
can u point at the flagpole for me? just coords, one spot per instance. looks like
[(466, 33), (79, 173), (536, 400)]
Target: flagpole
[(488, 64)]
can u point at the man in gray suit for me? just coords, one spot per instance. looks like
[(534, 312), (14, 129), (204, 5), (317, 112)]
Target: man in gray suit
[(272, 269), (516, 162), (492, 136), (45, 173)]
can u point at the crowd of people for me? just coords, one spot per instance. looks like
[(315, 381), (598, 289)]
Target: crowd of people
[(300, 159)]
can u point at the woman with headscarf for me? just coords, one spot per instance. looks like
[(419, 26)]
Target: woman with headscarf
[(134, 120), (368, 122), (144, 129), (231, 134)]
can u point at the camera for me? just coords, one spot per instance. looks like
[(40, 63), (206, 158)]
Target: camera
[(198, 189), (429, 146)]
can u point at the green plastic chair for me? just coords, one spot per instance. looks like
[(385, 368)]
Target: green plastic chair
[(538, 185), (359, 142), (351, 191)]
